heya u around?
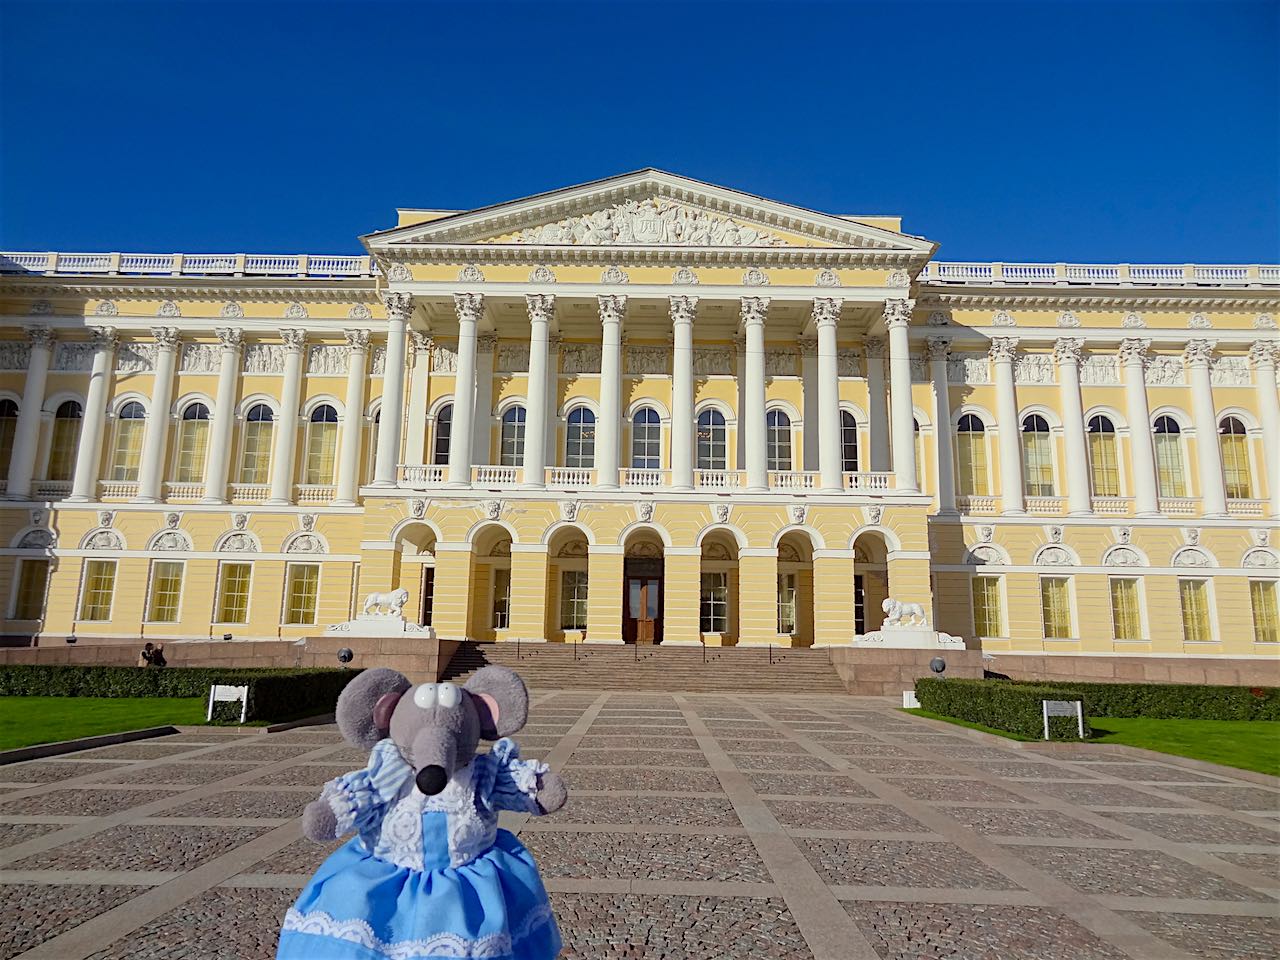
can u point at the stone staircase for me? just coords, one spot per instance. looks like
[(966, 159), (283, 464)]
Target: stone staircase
[(598, 666)]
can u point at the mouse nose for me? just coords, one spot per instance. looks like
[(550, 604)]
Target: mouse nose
[(431, 779)]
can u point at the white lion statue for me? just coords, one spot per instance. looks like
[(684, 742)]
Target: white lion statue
[(387, 604), (898, 613)]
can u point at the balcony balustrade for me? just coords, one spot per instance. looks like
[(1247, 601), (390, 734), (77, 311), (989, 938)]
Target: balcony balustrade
[(793, 479), (869, 482), (643, 478), (117, 489), (1048, 506), (311, 494), (1103, 274), (490, 475), (189, 264), (51, 489), (570, 478), (1113, 506), (1246, 508), (250, 491), (183, 491), (423, 474), (718, 479), (977, 505), (1179, 506)]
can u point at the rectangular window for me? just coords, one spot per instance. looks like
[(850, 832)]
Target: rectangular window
[(972, 450), (166, 591), (501, 598), (573, 600), (99, 585), (859, 605), (302, 585), (987, 621), (33, 583), (1126, 615), (1105, 471), (714, 603), (428, 594), (233, 593), (1055, 607), (1194, 595), (1266, 623), (786, 603)]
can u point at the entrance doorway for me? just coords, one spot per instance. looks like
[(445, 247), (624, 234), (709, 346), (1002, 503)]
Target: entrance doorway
[(642, 601)]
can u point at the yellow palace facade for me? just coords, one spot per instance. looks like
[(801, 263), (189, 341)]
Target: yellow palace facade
[(644, 409)]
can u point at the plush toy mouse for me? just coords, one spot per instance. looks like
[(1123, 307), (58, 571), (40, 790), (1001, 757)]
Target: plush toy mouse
[(428, 874)]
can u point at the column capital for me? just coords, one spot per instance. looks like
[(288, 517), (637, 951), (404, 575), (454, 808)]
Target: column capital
[(937, 348), (541, 306), (612, 308), (166, 337), (41, 337), (808, 345), (1068, 350), (230, 338), (875, 347), (826, 310), (897, 313), (104, 338), (357, 340), (1199, 352), (399, 305), (754, 310), (1134, 350), (684, 309), (1004, 349), (1264, 353), (487, 342), (468, 306), (295, 340), (421, 341)]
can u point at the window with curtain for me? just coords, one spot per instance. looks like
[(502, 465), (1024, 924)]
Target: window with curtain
[(322, 446), (580, 439), (501, 598), (65, 440), (302, 586), (1171, 476), (131, 424), (646, 439), (1266, 623), (233, 592), (987, 618), (1104, 460), (1037, 456), (193, 442), (165, 595), (713, 441), (444, 427), (778, 439), (255, 458), (573, 600), (714, 603), (786, 603), (8, 430), (99, 586), (971, 449), (1055, 607), (1234, 442), (1126, 615), (848, 442), (511, 441), (33, 585), (1194, 596)]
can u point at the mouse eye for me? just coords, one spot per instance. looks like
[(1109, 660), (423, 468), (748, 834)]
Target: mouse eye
[(425, 696), (450, 695)]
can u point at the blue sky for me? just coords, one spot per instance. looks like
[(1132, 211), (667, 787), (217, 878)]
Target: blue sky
[(1143, 131)]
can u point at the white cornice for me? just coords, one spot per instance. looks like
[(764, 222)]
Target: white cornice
[(552, 256), (1097, 298)]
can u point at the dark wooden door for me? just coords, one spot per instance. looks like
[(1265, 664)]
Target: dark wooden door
[(642, 609)]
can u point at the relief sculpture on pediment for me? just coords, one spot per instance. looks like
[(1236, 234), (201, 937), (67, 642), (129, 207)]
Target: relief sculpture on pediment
[(654, 220)]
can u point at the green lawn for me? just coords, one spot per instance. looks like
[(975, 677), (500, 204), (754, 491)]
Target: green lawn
[(29, 720)]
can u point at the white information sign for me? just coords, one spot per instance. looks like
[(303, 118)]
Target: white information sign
[(1063, 708), (220, 693)]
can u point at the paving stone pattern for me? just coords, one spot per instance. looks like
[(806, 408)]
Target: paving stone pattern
[(897, 840)]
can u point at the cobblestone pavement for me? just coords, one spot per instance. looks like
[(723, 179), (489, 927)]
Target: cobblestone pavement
[(698, 828)]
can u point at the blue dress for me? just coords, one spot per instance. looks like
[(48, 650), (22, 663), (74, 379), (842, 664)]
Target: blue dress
[(426, 878)]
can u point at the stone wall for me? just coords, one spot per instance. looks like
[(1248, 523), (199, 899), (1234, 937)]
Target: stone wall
[(875, 673), (1084, 668)]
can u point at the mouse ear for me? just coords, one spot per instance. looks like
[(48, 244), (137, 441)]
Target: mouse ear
[(501, 700), (382, 711), (489, 712), (358, 705)]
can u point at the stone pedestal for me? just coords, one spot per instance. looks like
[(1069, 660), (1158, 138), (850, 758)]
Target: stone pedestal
[(380, 625), (908, 637)]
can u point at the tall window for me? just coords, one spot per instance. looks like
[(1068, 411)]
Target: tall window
[(233, 593), (987, 618), (1171, 477), (99, 585), (971, 447), (8, 428), (646, 440), (1037, 456), (33, 583), (66, 438), (1126, 615), (444, 427), (848, 442), (580, 439), (1235, 458), (322, 446), (375, 426), (1055, 607), (778, 435), (166, 591), (501, 598), (714, 603), (193, 441), (130, 426), (713, 441), (573, 600), (511, 449), (1194, 596), (255, 459), (1266, 623), (859, 605), (918, 439), (1104, 469), (786, 603), (302, 586)]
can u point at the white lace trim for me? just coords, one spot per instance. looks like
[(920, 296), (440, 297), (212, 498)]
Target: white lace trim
[(357, 931), (470, 831)]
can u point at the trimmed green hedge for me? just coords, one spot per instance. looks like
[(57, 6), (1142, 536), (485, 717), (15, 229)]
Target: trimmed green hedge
[(274, 694), (1166, 701), (996, 703)]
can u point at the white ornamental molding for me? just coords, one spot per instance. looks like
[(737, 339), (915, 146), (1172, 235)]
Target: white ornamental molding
[(169, 309), (985, 555), (644, 511), (357, 340), (721, 512), (513, 357), (1100, 370), (444, 359), (229, 338), (1199, 321), (684, 309), (1122, 556), (43, 308), (1191, 535), (826, 278), (37, 516), (360, 311), (1123, 534), (1003, 318), (873, 515), (614, 274), (938, 318), (849, 362), (470, 274), (378, 362), (399, 273), (1068, 319), (1132, 321), (755, 277), (171, 520), (798, 513), (986, 533), (15, 355), (304, 543), (1055, 534), (200, 357), (1068, 349), (898, 278), (712, 361), (684, 277), (646, 360), (102, 539), (541, 274), (1260, 557), (1261, 535), (73, 357), (307, 521), (328, 360), (898, 312), (175, 541), (1264, 321), (1053, 555), (654, 220), (1165, 371), (240, 520), (106, 518), (417, 508), (1199, 351), (493, 509), (107, 308), (1192, 557), (781, 362), (134, 357), (1033, 368), (1230, 372), (569, 509), (238, 542), (580, 357), (1003, 349), (231, 311), (295, 311), (36, 540), (263, 358), (970, 369)]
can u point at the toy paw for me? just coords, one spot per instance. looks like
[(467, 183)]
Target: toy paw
[(552, 792), (319, 822)]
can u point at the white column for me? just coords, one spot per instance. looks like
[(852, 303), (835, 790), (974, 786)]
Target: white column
[(809, 397), (156, 437), (469, 307), (740, 374), (1066, 352), (84, 486), (612, 310), (826, 316), (683, 311), (415, 444), (286, 445), (542, 308), (353, 421), (751, 422), (1213, 491), (897, 317), (1004, 350), (387, 466), (877, 407), (217, 467), (1264, 355), (26, 434), (553, 393), (482, 432), (1133, 357), (939, 350)]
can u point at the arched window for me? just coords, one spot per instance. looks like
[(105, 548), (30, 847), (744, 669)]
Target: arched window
[(193, 437), (375, 426), (848, 442), (1235, 458), (8, 428), (580, 439), (127, 455), (1037, 456), (778, 433), (713, 441), (65, 440), (1104, 461), (1171, 476), (511, 446), (322, 446), (971, 449), (646, 440), (255, 459), (444, 426)]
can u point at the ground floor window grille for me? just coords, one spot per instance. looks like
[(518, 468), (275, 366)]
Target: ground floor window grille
[(715, 603), (501, 598), (786, 603), (573, 600)]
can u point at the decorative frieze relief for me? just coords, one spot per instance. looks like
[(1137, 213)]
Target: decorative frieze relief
[(263, 358), (655, 220), (580, 357), (73, 357), (712, 361), (1230, 372), (200, 357), (1033, 368), (513, 357), (359, 311), (1165, 371), (782, 362), (647, 361), (850, 363), (328, 360), (15, 354), (1097, 370), (444, 358), (134, 357), (971, 369), (378, 361)]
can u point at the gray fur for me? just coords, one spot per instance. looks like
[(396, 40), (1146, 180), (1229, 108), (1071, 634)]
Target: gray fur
[(552, 792), (506, 687), (354, 712), (319, 822)]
